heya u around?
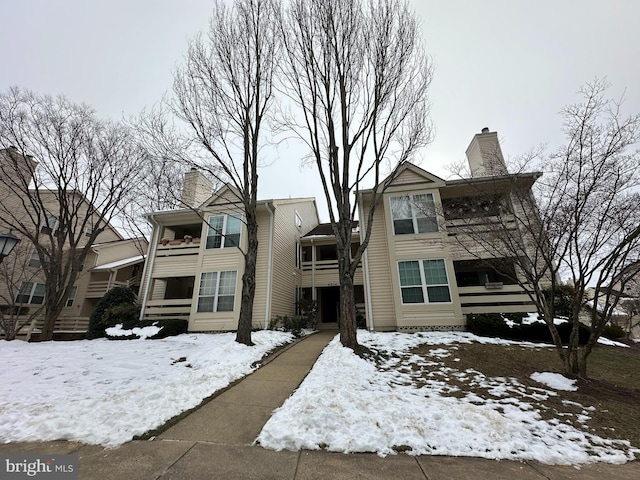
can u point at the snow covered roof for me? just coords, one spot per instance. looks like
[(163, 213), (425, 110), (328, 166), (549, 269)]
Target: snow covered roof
[(125, 262)]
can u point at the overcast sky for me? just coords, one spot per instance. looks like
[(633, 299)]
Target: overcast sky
[(507, 65)]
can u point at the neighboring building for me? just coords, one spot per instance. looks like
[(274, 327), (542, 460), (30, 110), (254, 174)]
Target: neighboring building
[(195, 266), (113, 261), (418, 272)]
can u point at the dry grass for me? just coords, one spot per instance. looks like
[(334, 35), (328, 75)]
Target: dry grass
[(613, 387)]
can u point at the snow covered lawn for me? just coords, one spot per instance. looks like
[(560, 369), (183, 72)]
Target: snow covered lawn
[(106, 392), (415, 403)]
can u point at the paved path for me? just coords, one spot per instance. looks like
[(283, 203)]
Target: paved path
[(214, 442)]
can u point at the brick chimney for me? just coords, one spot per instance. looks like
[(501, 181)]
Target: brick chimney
[(196, 188), (485, 156)]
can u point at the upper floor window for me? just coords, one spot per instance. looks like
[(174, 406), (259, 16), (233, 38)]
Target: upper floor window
[(424, 281), (31, 292), (224, 231), (413, 214), (217, 291), (298, 220), (50, 224)]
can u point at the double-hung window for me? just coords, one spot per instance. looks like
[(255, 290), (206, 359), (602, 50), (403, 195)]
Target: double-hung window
[(31, 292), (224, 231), (413, 214), (50, 224), (424, 281), (217, 291)]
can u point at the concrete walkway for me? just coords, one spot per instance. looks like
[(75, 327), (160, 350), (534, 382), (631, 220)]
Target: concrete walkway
[(215, 442)]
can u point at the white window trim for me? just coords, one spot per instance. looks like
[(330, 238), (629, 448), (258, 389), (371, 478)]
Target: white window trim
[(216, 293), (298, 220), (223, 232), (414, 217), (34, 285), (423, 282)]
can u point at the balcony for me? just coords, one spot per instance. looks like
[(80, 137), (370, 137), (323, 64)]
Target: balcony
[(99, 288), (174, 308)]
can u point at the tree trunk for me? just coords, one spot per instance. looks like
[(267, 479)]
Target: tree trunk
[(348, 336), (245, 319)]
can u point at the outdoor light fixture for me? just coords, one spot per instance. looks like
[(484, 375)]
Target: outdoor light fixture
[(8, 241)]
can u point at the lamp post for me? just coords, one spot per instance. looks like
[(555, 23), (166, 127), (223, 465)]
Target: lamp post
[(8, 241)]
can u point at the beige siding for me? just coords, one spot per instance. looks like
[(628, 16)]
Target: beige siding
[(286, 277), (381, 295), (262, 268)]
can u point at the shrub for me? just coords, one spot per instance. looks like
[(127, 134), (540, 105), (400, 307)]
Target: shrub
[(115, 296), (564, 329), (128, 314), (309, 311), (488, 325), (170, 327), (613, 332), (293, 324)]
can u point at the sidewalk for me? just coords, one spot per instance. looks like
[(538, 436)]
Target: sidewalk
[(214, 442)]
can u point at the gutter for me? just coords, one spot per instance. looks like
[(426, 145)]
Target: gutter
[(148, 264), (269, 267), (363, 226)]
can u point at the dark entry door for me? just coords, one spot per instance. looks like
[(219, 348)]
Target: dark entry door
[(330, 304)]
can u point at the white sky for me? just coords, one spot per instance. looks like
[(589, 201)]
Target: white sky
[(507, 65)]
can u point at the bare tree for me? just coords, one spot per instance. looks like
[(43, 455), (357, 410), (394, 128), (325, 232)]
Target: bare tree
[(582, 229), (16, 271), (357, 79), (222, 97), (64, 176)]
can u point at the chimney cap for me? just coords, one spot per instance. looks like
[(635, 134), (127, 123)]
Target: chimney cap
[(485, 130)]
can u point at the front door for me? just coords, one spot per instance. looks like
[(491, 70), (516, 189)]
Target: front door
[(329, 304)]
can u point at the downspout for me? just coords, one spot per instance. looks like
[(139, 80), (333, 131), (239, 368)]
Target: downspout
[(148, 264), (314, 296), (366, 268), (269, 268)]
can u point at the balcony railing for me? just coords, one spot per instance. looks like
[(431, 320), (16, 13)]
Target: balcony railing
[(98, 289), (175, 308), (178, 247)]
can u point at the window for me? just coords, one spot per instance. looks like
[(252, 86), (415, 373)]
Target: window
[(224, 231), (413, 214), (298, 220), (424, 281), (50, 224), (71, 297), (31, 293), (34, 261), (217, 291), (88, 232)]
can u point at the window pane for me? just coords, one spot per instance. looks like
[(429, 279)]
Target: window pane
[(435, 272), (427, 225), (205, 304), (38, 294), (401, 227), (225, 303), (227, 283), (400, 208), (214, 234), (438, 294), (409, 273), (231, 240), (425, 212), (208, 284), (412, 295)]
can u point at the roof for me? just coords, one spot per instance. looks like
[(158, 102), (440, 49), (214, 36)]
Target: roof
[(125, 262), (326, 230)]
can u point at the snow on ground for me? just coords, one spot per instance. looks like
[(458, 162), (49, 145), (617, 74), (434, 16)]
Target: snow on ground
[(105, 392), (410, 403), (555, 381)]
